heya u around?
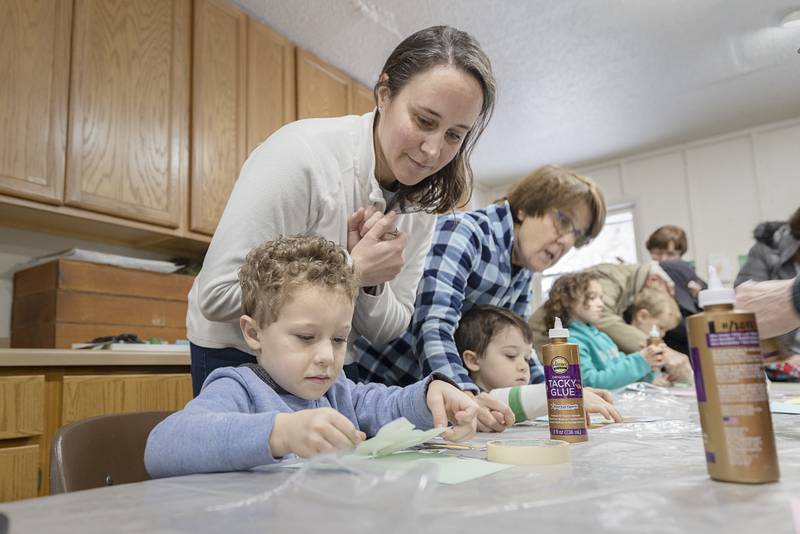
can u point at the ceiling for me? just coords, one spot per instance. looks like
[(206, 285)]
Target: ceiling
[(580, 81)]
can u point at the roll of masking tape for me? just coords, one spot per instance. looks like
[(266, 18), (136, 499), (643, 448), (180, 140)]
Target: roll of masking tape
[(528, 451)]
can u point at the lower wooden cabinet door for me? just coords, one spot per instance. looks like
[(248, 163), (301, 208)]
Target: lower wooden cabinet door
[(91, 395), (19, 472)]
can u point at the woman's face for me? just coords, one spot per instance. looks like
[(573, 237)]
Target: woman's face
[(423, 125), (665, 254), (539, 242)]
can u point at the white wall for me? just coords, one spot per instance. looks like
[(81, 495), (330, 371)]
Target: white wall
[(717, 189), (17, 247)]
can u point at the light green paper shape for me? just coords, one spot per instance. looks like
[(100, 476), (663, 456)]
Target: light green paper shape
[(393, 437), (450, 469)]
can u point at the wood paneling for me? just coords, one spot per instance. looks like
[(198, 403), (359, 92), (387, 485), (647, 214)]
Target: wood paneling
[(129, 108), (361, 99), (19, 472), (34, 62), (21, 406), (270, 83), (219, 123), (64, 302), (91, 395), (70, 275), (322, 90), (94, 308)]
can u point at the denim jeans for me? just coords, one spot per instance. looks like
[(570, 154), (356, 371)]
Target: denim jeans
[(205, 360)]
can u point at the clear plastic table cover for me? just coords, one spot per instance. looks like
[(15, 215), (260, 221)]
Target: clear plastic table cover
[(632, 477)]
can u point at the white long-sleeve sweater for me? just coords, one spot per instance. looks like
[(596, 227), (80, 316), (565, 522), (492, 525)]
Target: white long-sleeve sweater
[(307, 178)]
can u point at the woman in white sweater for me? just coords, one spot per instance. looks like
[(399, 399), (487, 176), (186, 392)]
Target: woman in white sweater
[(371, 183)]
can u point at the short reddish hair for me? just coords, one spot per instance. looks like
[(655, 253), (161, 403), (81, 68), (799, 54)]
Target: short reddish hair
[(667, 234)]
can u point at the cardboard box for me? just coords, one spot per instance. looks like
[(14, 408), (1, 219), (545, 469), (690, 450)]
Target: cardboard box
[(64, 302)]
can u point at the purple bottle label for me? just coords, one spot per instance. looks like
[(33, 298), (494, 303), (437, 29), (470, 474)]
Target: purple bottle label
[(699, 385), (563, 379)]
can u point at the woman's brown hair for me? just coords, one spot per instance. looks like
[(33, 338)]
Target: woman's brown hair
[(553, 187), (794, 224), (566, 291), (663, 236), (425, 49)]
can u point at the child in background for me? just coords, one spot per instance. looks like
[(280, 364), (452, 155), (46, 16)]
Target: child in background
[(297, 300), (653, 308), (577, 299), (495, 345)]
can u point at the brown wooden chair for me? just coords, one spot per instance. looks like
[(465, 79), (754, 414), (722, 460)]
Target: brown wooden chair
[(101, 451)]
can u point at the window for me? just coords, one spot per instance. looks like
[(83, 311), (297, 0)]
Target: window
[(615, 244)]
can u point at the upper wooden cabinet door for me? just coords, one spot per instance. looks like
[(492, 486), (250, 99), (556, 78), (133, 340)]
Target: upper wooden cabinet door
[(322, 90), (270, 82), (129, 108), (34, 62), (219, 144), (361, 99)]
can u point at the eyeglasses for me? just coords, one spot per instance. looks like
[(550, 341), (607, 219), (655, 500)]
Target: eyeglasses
[(565, 225)]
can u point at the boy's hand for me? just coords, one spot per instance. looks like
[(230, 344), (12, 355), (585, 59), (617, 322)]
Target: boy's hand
[(310, 432), (654, 354), (600, 401), (448, 403), (493, 415)]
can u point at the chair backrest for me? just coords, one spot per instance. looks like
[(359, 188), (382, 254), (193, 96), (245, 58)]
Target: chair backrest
[(101, 451)]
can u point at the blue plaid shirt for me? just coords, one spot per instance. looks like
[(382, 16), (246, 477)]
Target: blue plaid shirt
[(469, 264)]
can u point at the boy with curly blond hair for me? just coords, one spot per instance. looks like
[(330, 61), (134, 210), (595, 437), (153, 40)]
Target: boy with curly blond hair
[(298, 297)]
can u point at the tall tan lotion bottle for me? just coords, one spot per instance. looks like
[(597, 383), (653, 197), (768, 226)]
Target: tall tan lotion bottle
[(731, 389)]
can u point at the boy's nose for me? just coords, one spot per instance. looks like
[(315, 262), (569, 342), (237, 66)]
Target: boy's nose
[(324, 353)]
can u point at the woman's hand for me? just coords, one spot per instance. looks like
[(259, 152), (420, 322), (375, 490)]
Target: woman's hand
[(377, 259), (678, 367)]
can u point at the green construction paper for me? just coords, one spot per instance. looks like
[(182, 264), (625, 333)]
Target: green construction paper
[(450, 469), (395, 436)]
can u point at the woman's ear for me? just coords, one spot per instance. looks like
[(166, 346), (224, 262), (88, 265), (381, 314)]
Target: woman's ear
[(471, 361), (383, 92), (251, 332)]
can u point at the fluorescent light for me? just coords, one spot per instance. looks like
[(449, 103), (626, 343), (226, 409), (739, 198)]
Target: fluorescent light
[(791, 20)]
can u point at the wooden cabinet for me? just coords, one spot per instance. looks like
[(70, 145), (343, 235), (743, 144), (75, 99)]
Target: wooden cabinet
[(22, 424), (361, 99), (270, 83), (21, 406), (34, 62), (91, 395), (42, 390), (322, 90), (218, 109), (106, 107), (129, 108), (19, 472)]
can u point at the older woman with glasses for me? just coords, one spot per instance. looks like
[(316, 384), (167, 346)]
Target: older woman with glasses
[(486, 256)]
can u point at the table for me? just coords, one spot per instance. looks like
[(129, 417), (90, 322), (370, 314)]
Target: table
[(642, 477)]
